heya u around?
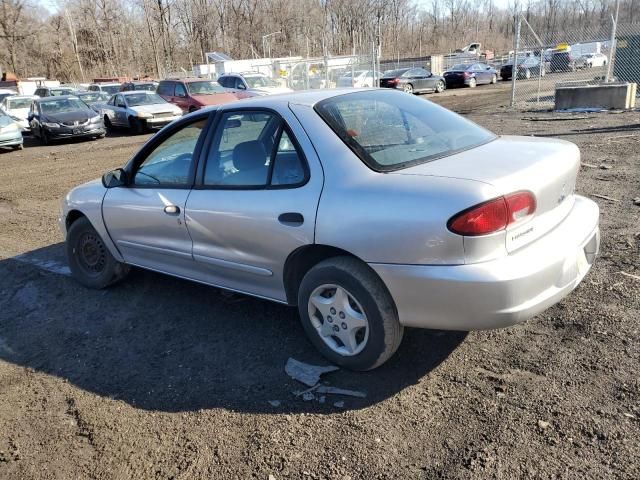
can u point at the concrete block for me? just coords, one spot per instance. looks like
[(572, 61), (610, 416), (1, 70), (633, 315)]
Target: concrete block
[(608, 95)]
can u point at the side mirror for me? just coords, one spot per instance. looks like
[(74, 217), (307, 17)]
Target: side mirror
[(114, 178), (233, 123)]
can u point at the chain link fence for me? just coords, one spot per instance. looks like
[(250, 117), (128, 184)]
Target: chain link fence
[(542, 61)]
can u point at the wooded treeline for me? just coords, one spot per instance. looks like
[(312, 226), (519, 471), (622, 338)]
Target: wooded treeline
[(152, 37)]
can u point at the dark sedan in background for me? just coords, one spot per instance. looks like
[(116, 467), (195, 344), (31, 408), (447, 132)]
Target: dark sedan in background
[(470, 75), (413, 80), (57, 118), (527, 67), (94, 99)]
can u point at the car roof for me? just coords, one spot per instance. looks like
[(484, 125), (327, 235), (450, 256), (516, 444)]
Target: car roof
[(305, 97), (19, 97), (55, 97), (186, 79), (136, 92)]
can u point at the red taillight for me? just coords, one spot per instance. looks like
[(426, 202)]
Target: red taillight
[(395, 81), (494, 215), (466, 74)]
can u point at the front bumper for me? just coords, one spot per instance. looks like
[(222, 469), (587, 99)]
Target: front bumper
[(160, 122), (61, 133), (500, 292), (11, 139)]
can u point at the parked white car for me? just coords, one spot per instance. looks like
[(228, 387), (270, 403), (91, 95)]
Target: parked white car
[(594, 60), (6, 92), (138, 110), (359, 79), (18, 107), (254, 82)]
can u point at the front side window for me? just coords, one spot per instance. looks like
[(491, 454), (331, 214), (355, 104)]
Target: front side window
[(180, 90), (389, 131), (166, 89), (253, 149), (171, 161)]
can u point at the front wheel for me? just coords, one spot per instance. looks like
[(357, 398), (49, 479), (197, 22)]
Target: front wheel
[(107, 123), (348, 314), (494, 79), (136, 126), (408, 88), (440, 86), (90, 261), (472, 83)]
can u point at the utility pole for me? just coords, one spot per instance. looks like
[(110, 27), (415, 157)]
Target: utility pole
[(514, 68), (612, 46), (74, 42)]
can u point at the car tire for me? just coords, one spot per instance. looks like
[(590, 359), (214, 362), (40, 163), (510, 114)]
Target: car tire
[(374, 319), (44, 138), (440, 87), (408, 88), (472, 83), (107, 123), (19, 147), (90, 261), (494, 79), (527, 74)]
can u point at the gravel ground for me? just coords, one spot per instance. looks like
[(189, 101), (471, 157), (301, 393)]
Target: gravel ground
[(161, 378)]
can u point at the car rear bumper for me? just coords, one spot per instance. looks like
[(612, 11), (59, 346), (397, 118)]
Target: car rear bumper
[(500, 292), (160, 122)]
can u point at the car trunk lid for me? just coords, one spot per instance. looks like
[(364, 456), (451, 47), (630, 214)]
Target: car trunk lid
[(546, 167)]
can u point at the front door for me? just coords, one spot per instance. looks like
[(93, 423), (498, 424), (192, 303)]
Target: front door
[(146, 218), (254, 201)]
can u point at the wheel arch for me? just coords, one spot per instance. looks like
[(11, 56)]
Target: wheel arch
[(72, 216), (303, 259)]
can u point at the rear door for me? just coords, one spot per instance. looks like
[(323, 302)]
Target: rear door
[(146, 218), (254, 201)]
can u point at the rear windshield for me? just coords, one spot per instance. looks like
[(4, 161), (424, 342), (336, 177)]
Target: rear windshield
[(392, 130), (394, 73), (19, 102)]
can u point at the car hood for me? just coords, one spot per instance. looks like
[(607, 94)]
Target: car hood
[(74, 116), (215, 98), (155, 108)]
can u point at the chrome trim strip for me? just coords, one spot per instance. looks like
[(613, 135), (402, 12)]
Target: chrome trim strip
[(263, 272), (149, 248)]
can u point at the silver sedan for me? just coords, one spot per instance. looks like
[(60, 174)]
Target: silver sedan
[(369, 210), (137, 110)]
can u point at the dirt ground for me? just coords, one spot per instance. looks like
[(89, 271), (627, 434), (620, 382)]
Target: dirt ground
[(159, 378)]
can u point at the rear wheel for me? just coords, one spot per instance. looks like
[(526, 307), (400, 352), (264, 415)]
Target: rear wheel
[(348, 314), (90, 261), (472, 83), (19, 147), (408, 88), (440, 86), (494, 79)]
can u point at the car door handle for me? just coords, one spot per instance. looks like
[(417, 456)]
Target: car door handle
[(291, 219), (172, 210)]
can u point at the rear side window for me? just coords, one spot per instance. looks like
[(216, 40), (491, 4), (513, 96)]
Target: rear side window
[(166, 89), (390, 130), (226, 81), (253, 150)]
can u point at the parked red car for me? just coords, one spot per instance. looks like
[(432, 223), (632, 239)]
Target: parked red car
[(191, 94)]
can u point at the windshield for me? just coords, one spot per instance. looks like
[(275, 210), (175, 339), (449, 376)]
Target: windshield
[(206, 87), (15, 103), (460, 66), (62, 105), (110, 88), (391, 130), (259, 81), (394, 73), (137, 99), (56, 92)]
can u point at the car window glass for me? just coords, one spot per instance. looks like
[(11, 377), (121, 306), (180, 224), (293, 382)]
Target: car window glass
[(170, 161), (180, 90), (389, 130), (120, 101), (239, 83), (241, 150), (287, 166), (166, 89), (225, 81)]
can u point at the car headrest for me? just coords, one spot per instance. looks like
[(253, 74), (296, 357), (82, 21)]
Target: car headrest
[(249, 155)]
